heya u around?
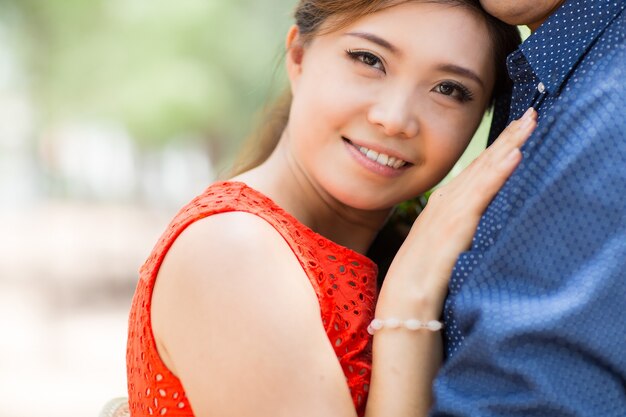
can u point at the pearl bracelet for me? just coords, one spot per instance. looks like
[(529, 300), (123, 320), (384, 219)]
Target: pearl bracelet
[(410, 324)]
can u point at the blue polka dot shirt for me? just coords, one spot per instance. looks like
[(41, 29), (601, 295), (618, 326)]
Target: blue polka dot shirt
[(536, 313)]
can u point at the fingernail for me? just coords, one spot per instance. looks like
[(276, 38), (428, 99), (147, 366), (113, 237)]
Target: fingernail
[(528, 113), (527, 119)]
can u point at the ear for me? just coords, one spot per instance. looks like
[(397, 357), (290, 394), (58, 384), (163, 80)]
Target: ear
[(295, 55)]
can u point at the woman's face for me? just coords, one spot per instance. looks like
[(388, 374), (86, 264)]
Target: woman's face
[(383, 108)]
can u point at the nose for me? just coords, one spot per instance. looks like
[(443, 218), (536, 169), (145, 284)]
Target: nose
[(395, 113)]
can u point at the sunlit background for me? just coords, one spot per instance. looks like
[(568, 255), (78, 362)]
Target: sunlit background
[(113, 114)]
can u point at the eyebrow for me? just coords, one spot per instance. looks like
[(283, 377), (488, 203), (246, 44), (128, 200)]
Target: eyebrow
[(376, 39), (462, 71)]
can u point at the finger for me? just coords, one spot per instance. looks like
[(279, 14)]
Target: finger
[(492, 168), (515, 135), (500, 171), (511, 138)]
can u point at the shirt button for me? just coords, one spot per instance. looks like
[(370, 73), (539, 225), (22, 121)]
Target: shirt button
[(541, 88)]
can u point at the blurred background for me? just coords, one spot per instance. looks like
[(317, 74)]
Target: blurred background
[(113, 114)]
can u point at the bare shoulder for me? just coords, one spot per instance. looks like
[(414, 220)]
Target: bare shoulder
[(218, 264), (227, 233), (230, 297), (226, 253), (232, 243)]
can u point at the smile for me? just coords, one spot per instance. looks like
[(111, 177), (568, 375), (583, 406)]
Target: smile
[(379, 158)]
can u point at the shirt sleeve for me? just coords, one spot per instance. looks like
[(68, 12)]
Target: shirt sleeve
[(542, 311)]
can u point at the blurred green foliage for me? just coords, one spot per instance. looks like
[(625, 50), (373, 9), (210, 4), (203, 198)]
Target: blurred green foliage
[(165, 69)]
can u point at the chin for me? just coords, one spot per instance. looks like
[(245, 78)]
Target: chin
[(369, 195), (365, 201)]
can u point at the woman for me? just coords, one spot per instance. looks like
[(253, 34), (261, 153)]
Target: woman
[(257, 299)]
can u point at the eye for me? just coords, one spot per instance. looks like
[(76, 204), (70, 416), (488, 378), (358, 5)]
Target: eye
[(455, 90), (366, 58)]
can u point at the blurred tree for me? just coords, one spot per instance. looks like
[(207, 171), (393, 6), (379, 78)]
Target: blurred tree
[(164, 69)]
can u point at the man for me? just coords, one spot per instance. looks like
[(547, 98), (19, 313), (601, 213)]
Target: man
[(536, 314)]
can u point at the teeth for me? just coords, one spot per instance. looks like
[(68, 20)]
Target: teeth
[(382, 159), (372, 155)]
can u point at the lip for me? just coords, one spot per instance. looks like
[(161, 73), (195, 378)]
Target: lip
[(378, 149), (372, 166)]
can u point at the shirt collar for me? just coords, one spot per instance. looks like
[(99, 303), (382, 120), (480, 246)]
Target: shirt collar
[(541, 51)]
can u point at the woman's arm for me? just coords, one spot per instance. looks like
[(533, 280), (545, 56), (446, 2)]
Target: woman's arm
[(236, 319), (406, 362), (240, 324)]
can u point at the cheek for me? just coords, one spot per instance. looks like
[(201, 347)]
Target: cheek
[(326, 101), (447, 139)]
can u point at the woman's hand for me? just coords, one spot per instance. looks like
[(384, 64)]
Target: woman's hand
[(406, 362), (445, 228)]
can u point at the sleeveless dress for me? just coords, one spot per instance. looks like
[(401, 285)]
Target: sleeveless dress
[(344, 281)]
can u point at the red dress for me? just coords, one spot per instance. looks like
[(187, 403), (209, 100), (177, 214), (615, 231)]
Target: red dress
[(344, 281)]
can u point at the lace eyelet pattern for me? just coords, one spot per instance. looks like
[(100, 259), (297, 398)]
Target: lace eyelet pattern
[(344, 281)]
